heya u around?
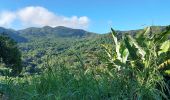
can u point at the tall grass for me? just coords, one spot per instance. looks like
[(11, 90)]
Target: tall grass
[(93, 83)]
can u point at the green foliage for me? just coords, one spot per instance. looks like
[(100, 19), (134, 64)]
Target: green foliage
[(10, 54), (143, 62), (34, 52), (132, 68)]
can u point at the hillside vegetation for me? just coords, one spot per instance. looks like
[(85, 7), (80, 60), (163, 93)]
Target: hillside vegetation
[(62, 63)]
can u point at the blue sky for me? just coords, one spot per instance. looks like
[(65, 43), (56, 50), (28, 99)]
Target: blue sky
[(92, 15)]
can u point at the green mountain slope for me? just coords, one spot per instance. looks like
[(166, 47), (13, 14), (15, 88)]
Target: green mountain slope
[(64, 43), (59, 31), (13, 34)]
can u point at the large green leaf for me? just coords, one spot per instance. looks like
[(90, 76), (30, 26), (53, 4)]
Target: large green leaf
[(117, 44), (164, 66), (147, 31), (164, 47), (133, 52), (125, 55), (138, 50)]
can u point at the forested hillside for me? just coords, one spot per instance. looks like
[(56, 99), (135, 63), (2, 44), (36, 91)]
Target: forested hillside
[(38, 43), (61, 63)]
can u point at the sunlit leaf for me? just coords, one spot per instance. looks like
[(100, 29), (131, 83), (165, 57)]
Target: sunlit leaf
[(164, 47), (125, 55)]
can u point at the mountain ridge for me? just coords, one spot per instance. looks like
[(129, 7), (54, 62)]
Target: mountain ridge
[(60, 31), (13, 34)]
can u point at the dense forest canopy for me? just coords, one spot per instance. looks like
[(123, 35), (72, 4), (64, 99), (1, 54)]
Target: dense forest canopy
[(10, 54)]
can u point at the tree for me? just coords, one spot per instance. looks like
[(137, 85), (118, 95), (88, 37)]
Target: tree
[(10, 54)]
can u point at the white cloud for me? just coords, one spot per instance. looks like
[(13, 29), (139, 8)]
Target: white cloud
[(6, 18), (39, 16)]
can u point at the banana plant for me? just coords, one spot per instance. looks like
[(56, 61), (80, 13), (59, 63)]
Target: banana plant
[(118, 55), (162, 41), (139, 59), (137, 54), (150, 52), (164, 53), (138, 51)]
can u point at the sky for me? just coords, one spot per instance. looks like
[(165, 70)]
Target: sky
[(91, 15)]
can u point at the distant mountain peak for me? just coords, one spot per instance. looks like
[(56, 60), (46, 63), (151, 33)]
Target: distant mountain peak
[(47, 27), (59, 31), (61, 27)]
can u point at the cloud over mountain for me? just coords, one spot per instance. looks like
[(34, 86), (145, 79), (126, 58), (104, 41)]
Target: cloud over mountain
[(6, 18), (39, 16)]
